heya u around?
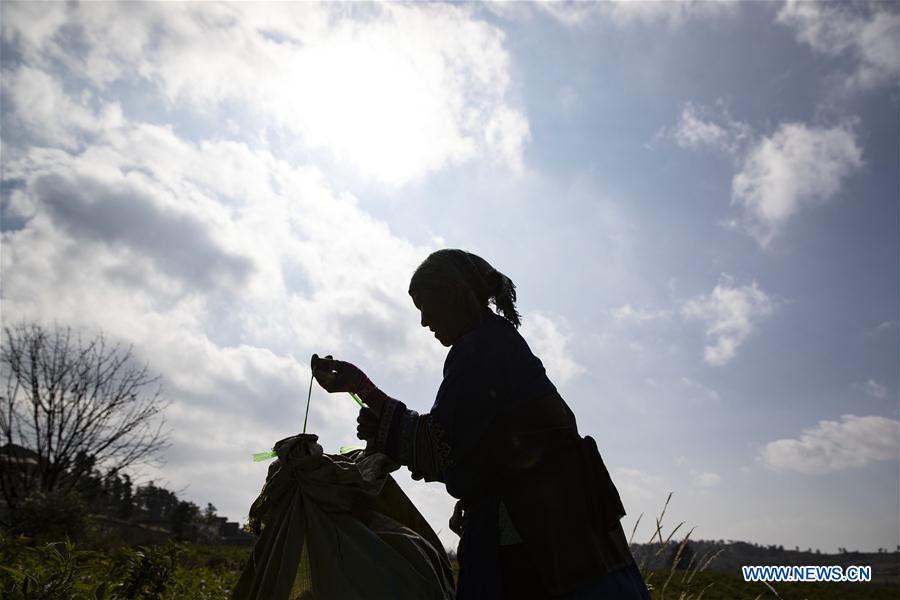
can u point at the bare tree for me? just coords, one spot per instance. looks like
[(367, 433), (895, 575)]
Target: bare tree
[(69, 406)]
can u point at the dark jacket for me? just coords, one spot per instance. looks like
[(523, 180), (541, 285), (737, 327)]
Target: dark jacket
[(505, 435)]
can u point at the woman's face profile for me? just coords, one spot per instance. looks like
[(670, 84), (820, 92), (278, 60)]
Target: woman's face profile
[(441, 313)]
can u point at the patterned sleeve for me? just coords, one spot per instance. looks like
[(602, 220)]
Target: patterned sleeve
[(414, 440)]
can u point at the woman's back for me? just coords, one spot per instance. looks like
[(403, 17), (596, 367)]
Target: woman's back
[(514, 441)]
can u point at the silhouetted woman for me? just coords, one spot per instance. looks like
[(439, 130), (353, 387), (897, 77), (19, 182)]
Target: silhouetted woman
[(538, 514)]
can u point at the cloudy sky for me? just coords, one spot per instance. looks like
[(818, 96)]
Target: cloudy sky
[(697, 201)]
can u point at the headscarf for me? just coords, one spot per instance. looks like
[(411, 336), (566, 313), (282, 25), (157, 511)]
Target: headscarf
[(468, 272)]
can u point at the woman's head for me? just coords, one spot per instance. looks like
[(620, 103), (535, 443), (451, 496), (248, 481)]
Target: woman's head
[(453, 289)]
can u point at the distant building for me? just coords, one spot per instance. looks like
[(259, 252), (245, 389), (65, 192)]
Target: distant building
[(18, 465), (14, 456), (235, 536)]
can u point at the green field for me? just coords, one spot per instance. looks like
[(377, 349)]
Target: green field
[(169, 572), (187, 572)]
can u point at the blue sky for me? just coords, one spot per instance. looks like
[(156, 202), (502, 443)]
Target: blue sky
[(696, 200)]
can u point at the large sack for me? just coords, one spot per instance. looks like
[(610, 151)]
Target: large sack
[(338, 527)]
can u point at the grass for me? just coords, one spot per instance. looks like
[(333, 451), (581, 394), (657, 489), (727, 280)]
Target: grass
[(689, 587), (697, 582), (61, 571)]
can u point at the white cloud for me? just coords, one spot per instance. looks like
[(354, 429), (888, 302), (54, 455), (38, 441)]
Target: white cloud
[(568, 13), (218, 208), (778, 175), (46, 110), (869, 33), (622, 13), (885, 327), (130, 230), (797, 166), (570, 101), (851, 442), (393, 91), (875, 389), (706, 479), (731, 314), (625, 12), (550, 342), (701, 127), (683, 391), (127, 214), (635, 485), (699, 391), (30, 25), (627, 313)]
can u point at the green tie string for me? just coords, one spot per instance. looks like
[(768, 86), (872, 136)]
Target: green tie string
[(261, 456)]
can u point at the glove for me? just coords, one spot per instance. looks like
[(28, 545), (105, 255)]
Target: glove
[(339, 376)]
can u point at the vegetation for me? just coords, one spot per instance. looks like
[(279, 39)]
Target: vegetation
[(686, 570), (108, 508), (192, 571), (60, 571), (75, 415), (68, 407), (99, 569)]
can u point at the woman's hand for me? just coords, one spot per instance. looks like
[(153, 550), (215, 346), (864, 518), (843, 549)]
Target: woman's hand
[(367, 424), (339, 376)]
